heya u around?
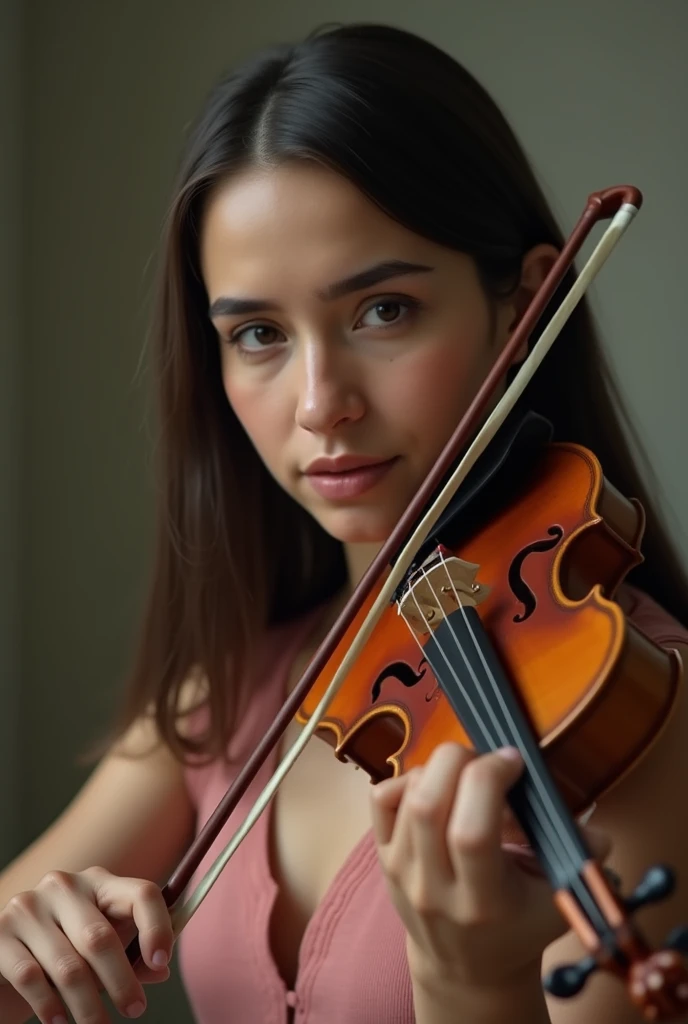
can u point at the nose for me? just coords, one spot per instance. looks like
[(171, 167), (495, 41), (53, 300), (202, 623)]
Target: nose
[(330, 394)]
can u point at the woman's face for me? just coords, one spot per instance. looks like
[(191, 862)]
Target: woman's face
[(350, 346)]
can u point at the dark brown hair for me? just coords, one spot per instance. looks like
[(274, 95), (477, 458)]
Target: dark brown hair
[(420, 137)]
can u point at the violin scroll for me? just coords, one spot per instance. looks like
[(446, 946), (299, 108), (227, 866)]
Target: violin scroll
[(659, 986), (657, 979)]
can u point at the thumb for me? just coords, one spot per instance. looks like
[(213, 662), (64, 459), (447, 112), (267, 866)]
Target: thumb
[(147, 976)]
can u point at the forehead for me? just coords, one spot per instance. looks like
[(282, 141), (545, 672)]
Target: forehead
[(295, 221)]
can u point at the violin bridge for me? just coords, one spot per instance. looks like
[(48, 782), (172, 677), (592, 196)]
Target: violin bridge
[(437, 588)]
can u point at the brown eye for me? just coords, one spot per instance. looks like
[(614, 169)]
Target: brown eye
[(388, 312), (256, 337)]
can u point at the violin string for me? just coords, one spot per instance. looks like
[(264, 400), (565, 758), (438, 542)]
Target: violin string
[(545, 803), (542, 790), (543, 808), (498, 735), (585, 898), (546, 824)]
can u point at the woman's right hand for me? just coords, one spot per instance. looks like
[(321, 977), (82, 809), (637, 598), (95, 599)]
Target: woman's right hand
[(63, 942)]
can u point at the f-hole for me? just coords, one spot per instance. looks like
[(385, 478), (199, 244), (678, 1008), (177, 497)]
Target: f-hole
[(519, 587), (378, 738), (402, 672)]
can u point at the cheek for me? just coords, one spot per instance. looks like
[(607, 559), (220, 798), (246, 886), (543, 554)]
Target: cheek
[(438, 384), (260, 412)]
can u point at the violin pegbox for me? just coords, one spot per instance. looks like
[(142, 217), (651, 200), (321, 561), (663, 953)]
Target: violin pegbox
[(440, 585), (657, 980)]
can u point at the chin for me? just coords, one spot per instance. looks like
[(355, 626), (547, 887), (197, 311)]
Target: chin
[(359, 526)]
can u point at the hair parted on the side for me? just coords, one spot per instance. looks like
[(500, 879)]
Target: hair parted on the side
[(411, 128)]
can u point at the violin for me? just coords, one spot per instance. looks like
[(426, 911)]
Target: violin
[(511, 640), (503, 629)]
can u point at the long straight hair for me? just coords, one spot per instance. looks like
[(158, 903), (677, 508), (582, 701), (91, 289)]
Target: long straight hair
[(419, 136)]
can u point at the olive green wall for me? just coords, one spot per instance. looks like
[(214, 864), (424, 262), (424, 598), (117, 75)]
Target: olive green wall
[(11, 131)]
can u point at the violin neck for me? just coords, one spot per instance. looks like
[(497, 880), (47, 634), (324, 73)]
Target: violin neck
[(474, 682)]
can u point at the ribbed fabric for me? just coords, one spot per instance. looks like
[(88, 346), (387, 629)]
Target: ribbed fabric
[(352, 964)]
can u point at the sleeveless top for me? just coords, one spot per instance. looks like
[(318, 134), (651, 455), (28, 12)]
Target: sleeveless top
[(352, 961)]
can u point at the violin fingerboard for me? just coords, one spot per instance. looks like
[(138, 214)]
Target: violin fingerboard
[(474, 682)]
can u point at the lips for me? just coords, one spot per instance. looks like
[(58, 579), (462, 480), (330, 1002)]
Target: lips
[(347, 476), (343, 464)]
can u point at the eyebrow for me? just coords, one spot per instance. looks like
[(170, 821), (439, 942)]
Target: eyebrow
[(227, 306)]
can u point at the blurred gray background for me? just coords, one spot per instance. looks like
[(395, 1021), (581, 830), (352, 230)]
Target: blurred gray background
[(94, 101)]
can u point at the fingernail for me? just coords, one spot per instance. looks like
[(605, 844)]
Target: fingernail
[(160, 958), (509, 753), (135, 1010), (59, 1020)]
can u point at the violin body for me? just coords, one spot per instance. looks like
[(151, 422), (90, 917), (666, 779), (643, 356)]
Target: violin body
[(596, 691)]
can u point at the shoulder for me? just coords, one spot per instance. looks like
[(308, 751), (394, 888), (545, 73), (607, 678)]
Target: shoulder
[(261, 687), (142, 738)]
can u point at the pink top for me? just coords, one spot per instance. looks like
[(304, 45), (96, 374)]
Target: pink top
[(352, 963)]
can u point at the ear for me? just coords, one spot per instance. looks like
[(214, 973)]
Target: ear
[(535, 267)]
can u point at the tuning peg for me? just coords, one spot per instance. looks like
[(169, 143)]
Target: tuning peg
[(657, 883), (568, 980), (678, 939)]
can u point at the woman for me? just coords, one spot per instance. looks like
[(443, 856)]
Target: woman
[(355, 235)]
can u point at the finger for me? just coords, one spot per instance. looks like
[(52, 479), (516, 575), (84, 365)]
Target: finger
[(141, 901), (522, 854), (524, 857), (126, 932), (475, 825), (26, 976), (428, 805), (66, 969), (99, 946), (385, 798), (512, 833), (148, 976)]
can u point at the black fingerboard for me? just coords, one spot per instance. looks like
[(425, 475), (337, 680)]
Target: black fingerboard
[(474, 682)]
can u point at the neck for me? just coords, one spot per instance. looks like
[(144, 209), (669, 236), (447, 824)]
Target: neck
[(358, 558)]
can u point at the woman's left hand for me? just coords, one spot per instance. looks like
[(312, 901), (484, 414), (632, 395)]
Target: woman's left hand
[(473, 914)]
